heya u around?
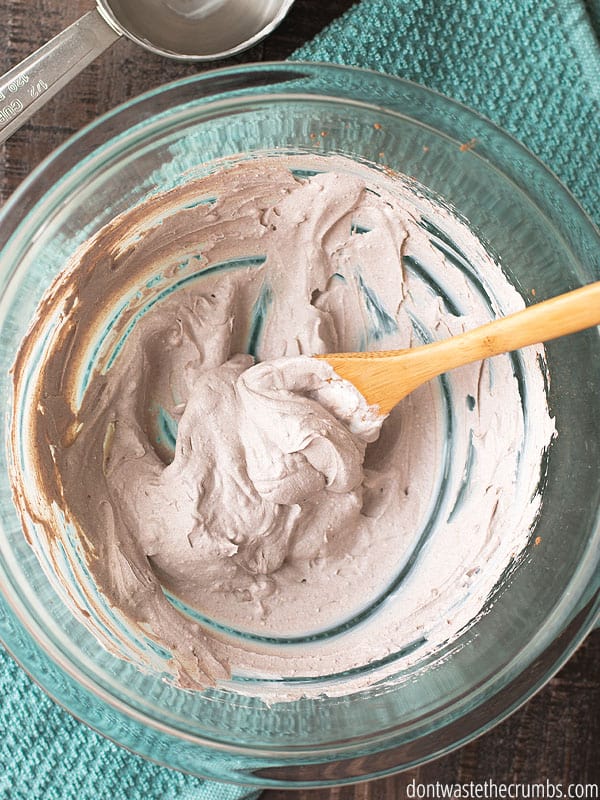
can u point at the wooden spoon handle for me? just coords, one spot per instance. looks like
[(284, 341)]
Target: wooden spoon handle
[(542, 322), (385, 378)]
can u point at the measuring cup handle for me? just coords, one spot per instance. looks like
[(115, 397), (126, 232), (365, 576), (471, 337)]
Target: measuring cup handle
[(26, 87)]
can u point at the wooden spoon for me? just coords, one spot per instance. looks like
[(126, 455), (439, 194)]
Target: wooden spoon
[(384, 378)]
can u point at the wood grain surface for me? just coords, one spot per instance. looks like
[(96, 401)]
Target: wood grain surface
[(556, 735)]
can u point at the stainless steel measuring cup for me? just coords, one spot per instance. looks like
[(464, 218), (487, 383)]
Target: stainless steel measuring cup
[(186, 30)]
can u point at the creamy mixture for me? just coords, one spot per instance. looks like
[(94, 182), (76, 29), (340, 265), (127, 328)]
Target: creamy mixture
[(248, 512)]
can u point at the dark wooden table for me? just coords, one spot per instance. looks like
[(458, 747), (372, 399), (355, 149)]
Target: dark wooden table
[(556, 736)]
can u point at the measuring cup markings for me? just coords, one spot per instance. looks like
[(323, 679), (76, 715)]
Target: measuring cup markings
[(12, 104)]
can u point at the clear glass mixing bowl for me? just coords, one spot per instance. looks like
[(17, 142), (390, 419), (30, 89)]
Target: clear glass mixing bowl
[(545, 605)]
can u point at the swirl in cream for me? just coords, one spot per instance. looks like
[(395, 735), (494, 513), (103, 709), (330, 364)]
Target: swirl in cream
[(249, 517)]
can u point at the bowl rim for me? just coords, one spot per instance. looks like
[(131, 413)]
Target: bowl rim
[(37, 184), (208, 76)]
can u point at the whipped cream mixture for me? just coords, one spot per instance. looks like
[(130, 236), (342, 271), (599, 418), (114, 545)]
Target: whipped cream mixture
[(231, 498)]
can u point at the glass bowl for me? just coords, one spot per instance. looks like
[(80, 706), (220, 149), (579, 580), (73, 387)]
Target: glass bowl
[(545, 604)]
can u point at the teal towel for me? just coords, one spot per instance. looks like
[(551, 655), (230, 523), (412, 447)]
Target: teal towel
[(533, 67), (46, 754)]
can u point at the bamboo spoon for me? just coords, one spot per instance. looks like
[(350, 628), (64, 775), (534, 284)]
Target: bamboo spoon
[(386, 377)]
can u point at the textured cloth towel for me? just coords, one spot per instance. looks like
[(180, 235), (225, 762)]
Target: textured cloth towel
[(45, 754), (533, 67)]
